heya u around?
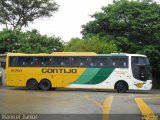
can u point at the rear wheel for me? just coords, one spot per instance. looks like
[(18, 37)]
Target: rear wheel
[(45, 84), (32, 84), (122, 87)]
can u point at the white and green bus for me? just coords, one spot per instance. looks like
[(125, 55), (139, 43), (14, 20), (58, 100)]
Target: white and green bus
[(85, 70)]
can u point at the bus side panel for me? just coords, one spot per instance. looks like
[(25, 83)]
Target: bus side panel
[(15, 77), (59, 77), (65, 76), (105, 78)]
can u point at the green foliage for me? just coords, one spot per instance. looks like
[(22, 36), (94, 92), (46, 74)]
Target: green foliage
[(18, 13), (126, 45), (91, 44), (28, 42), (74, 45), (137, 21)]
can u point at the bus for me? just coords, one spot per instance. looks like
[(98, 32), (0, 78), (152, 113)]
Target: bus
[(84, 70)]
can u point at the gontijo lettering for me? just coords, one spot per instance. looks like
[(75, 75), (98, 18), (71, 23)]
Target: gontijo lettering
[(51, 70)]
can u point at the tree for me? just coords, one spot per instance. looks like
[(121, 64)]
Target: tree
[(75, 45), (28, 42), (19, 13), (91, 44), (137, 21)]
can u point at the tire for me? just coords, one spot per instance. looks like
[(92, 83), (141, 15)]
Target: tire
[(45, 84), (32, 84), (122, 87)]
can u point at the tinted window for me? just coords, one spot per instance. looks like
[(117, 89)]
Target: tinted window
[(119, 62), (83, 61), (114, 61), (65, 61), (140, 61), (21, 61), (140, 68), (94, 62), (123, 62), (13, 61), (56, 61), (38, 61), (75, 61), (29, 61), (42, 61), (47, 61), (104, 62)]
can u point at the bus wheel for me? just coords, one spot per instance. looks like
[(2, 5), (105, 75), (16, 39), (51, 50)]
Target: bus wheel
[(32, 84), (122, 87), (45, 84)]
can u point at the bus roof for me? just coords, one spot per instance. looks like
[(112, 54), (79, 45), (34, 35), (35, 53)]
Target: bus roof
[(74, 54)]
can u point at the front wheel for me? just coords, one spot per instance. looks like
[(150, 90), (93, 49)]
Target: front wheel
[(122, 87), (45, 84)]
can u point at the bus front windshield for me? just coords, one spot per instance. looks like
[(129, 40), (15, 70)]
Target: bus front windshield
[(140, 61), (141, 68)]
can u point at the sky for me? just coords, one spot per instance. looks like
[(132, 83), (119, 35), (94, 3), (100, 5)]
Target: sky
[(67, 21)]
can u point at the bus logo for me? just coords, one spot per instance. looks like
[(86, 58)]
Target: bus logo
[(51, 70)]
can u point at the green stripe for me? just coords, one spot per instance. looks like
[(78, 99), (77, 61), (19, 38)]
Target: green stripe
[(102, 75), (87, 75), (94, 75)]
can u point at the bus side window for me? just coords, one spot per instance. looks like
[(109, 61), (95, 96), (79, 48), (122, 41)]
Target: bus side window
[(94, 62), (47, 61), (13, 61), (65, 61), (38, 61), (75, 61), (123, 62), (57, 61), (114, 61), (29, 61), (103, 62), (21, 61), (84, 61)]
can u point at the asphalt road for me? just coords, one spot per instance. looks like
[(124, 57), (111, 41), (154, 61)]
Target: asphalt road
[(20, 103)]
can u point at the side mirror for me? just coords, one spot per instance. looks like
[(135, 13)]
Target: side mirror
[(3, 65)]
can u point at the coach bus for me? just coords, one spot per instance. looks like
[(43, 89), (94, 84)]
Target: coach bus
[(85, 70)]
